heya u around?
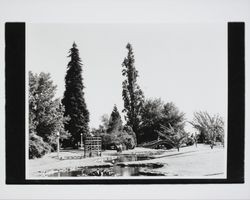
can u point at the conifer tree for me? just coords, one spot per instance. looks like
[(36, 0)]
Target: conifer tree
[(74, 102), (115, 121), (132, 94)]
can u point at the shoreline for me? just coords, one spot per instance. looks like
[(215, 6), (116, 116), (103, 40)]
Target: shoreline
[(49, 163), (160, 162)]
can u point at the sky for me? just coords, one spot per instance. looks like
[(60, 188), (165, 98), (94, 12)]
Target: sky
[(183, 63)]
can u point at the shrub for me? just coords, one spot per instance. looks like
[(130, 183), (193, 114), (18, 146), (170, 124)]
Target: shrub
[(211, 126), (189, 141), (37, 147), (114, 134), (130, 132), (175, 137), (127, 140), (116, 138), (107, 140)]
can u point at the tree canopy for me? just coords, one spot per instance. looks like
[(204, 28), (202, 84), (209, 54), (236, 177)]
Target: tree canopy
[(156, 113), (46, 115)]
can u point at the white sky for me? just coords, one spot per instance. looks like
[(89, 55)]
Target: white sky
[(182, 63)]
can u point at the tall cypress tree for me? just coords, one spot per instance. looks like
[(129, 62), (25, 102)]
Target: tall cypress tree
[(73, 100), (132, 94)]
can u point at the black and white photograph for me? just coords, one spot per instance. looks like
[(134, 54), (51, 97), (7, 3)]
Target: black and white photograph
[(121, 99), (133, 100)]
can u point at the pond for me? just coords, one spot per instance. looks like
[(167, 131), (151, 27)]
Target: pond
[(129, 158), (115, 170)]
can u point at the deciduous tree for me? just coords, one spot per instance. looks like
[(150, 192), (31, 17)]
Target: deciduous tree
[(132, 94), (173, 136), (211, 126), (46, 115), (156, 113)]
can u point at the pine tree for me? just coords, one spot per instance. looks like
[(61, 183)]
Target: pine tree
[(74, 102), (132, 94), (115, 121)]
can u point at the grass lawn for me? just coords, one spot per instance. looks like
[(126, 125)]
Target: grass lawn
[(200, 161)]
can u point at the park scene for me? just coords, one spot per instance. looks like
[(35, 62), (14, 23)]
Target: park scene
[(141, 135)]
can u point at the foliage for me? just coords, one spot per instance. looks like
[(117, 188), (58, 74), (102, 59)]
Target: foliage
[(222, 139), (130, 132), (46, 115), (73, 100), (174, 136), (116, 138), (156, 113), (115, 121), (211, 126), (172, 117), (132, 94), (37, 147), (105, 122), (151, 116), (125, 139), (201, 138), (190, 140), (113, 133), (107, 140)]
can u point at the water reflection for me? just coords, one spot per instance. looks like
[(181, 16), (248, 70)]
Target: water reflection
[(109, 171), (128, 158)]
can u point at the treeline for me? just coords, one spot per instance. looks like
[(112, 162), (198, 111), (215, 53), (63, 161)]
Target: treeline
[(145, 119)]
